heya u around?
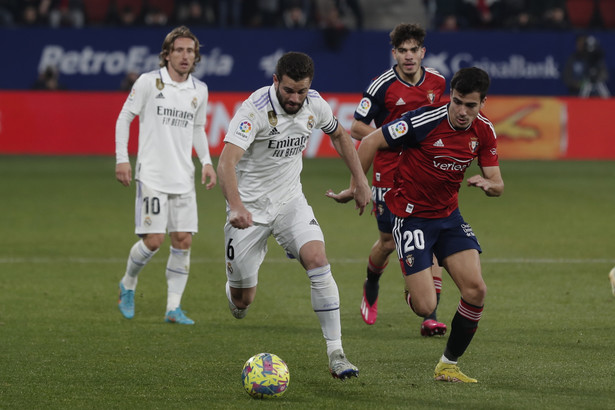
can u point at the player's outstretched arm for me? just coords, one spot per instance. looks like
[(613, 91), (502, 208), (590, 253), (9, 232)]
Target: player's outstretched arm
[(360, 130), (366, 152), (358, 183), (490, 182), (342, 197)]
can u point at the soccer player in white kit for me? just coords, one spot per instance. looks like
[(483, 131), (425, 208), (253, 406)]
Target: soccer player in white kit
[(259, 171), (171, 105)]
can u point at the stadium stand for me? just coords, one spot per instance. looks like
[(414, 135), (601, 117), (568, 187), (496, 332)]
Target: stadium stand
[(96, 11), (580, 12), (607, 12)]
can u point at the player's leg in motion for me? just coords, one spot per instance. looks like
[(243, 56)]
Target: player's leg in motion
[(177, 271), (326, 304), (378, 260), (140, 254), (430, 325), (464, 268), (239, 300), (245, 252)]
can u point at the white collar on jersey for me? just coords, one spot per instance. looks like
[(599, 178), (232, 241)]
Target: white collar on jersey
[(166, 78)]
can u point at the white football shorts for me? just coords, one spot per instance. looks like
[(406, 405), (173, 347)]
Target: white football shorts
[(157, 212), (245, 250)]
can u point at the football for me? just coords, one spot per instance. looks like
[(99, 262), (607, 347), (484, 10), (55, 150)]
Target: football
[(265, 376)]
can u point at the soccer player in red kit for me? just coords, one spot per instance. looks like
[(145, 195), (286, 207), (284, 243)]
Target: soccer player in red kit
[(439, 142), (405, 86)]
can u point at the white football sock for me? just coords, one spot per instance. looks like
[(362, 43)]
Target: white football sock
[(178, 268), (137, 259), (445, 360), (326, 304)]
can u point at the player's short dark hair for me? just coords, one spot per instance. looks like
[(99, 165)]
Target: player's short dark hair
[(296, 66), (406, 31), (167, 45), (471, 79)]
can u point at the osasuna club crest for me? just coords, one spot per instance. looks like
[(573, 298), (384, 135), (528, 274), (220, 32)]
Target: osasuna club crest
[(410, 260), (473, 144), (431, 96)]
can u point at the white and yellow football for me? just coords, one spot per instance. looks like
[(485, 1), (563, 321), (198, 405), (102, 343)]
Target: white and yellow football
[(265, 376)]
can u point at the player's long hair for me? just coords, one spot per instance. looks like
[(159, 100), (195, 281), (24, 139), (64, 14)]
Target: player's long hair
[(404, 32), (167, 45), (296, 66)]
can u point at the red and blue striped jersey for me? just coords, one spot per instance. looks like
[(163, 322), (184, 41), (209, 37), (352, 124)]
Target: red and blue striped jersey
[(434, 159), (386, 99)]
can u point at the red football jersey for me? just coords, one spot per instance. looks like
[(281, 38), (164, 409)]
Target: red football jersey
[(386, 99), (434, 159)]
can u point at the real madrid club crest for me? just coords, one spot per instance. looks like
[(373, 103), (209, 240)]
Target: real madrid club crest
[(311, 122), (473, 144), (194, 103), (273, 119), (159, 83)]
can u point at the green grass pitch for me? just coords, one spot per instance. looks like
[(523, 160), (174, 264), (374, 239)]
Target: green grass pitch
[(545, 341)]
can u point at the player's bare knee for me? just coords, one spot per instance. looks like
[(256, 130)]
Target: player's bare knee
[(242, 299), (385, 244), (313, 260), (422, 308), (241, 304), (387, 247), (312, 255), (153, 241), (424, 312), (475, 294), (181, 240)]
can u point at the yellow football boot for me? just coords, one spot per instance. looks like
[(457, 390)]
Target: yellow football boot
[(446, 372)]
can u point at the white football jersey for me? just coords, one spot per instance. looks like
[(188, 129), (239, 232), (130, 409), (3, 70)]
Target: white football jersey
[(168, 112), (268, 174)]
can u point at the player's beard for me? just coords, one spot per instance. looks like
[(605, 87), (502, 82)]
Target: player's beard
[(288, 109)]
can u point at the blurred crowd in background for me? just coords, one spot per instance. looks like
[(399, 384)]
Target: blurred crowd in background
[(444, 15), (585, 72)]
